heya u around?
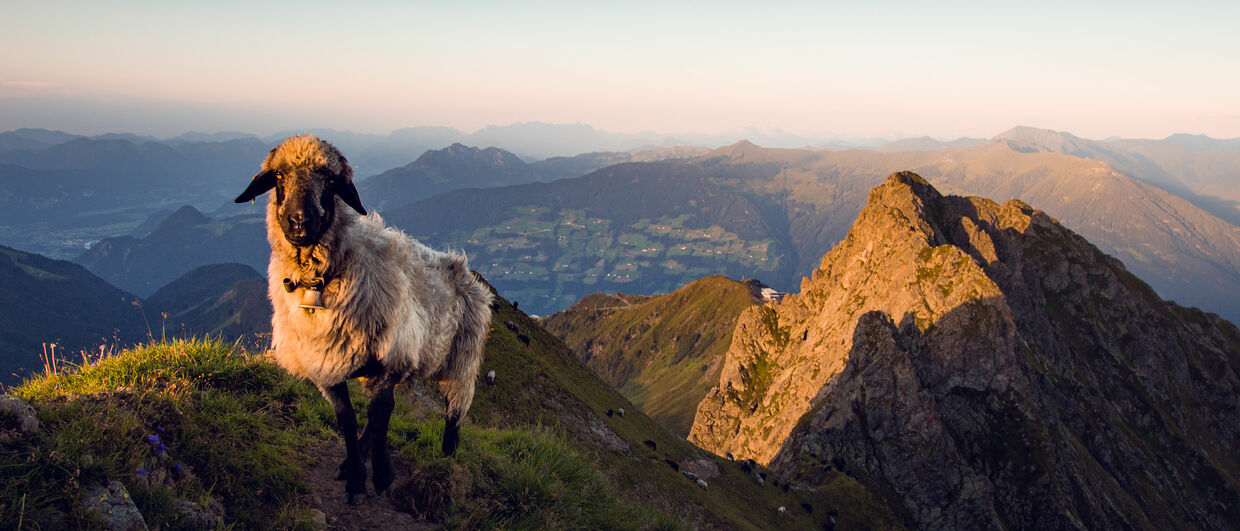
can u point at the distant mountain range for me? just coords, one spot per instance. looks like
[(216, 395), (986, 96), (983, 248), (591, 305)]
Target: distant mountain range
[(1201, 169), (800, 200), (57, 199), (776, 210), (752, 212)]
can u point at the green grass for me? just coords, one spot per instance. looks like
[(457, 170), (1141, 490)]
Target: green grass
[(662, 352), (228, 424), (232, 425), (514, 479)]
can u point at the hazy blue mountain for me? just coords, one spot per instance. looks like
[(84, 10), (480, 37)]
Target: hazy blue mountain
[(925, 143), (58, 199), (556, 168), (218, 136), (183, 241), (1200, 169), (1203, 142), (29, 139), (438, 171)]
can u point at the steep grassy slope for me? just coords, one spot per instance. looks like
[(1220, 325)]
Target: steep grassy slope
[(539, 448), (663, 353)]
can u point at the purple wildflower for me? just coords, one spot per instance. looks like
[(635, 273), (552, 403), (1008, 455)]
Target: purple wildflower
[(161, 448), (179, 469), (153, 438), (141, 471), (160, 429)]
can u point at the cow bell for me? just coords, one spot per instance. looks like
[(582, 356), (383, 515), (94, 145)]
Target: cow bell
[(311, 299)]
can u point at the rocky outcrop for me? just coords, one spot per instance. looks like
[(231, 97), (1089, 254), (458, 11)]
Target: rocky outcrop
[(981, 366)]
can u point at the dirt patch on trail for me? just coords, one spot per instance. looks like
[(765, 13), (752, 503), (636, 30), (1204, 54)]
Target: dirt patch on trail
[(327, 495)]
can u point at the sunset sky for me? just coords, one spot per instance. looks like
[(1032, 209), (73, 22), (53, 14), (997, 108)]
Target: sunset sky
[(1131, 69)]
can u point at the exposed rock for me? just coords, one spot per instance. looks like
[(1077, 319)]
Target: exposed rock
[(17, 418), (192, 515), (984, 367), (703, 468), (113, 503), (319, 518)]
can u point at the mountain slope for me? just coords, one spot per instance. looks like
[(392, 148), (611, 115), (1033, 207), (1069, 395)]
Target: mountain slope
[(228, 301), (1201, 170), (438, 171), (634, 227), (54, 301), (183, 241), (663, 353), (982, 366)]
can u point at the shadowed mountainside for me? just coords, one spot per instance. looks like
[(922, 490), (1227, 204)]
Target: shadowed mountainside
[(228, 301), (54, 301)]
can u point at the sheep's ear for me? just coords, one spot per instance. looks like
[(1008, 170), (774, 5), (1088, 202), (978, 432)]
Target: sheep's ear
[(260, 185), (348, 193)]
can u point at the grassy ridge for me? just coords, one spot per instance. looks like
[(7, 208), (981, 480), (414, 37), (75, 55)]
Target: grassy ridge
[(232, 427), (539, 450), (664, 352)]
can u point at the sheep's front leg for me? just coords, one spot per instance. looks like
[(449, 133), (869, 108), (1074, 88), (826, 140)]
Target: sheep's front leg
[(377, 416), (353, 468)]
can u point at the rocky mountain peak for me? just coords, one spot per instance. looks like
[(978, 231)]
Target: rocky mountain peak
[(985, 367)]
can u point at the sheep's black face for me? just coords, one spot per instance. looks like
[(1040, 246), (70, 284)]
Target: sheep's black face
[(307, 175), (305, 205)]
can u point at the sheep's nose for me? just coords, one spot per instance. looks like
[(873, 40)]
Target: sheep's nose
[(297, 219)]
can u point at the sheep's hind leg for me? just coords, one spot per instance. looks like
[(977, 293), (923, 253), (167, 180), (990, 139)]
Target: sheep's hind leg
[(353, 468), (377, 416)]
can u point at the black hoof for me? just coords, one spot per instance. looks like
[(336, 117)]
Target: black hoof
[(383, 480), (355, 499)]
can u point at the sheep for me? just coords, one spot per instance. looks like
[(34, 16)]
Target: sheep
[(355, 299)]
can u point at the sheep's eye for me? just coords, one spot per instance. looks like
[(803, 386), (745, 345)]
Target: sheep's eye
[(279, 174)]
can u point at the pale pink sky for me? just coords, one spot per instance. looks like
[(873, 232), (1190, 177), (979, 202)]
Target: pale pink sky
[(1107, 69)]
